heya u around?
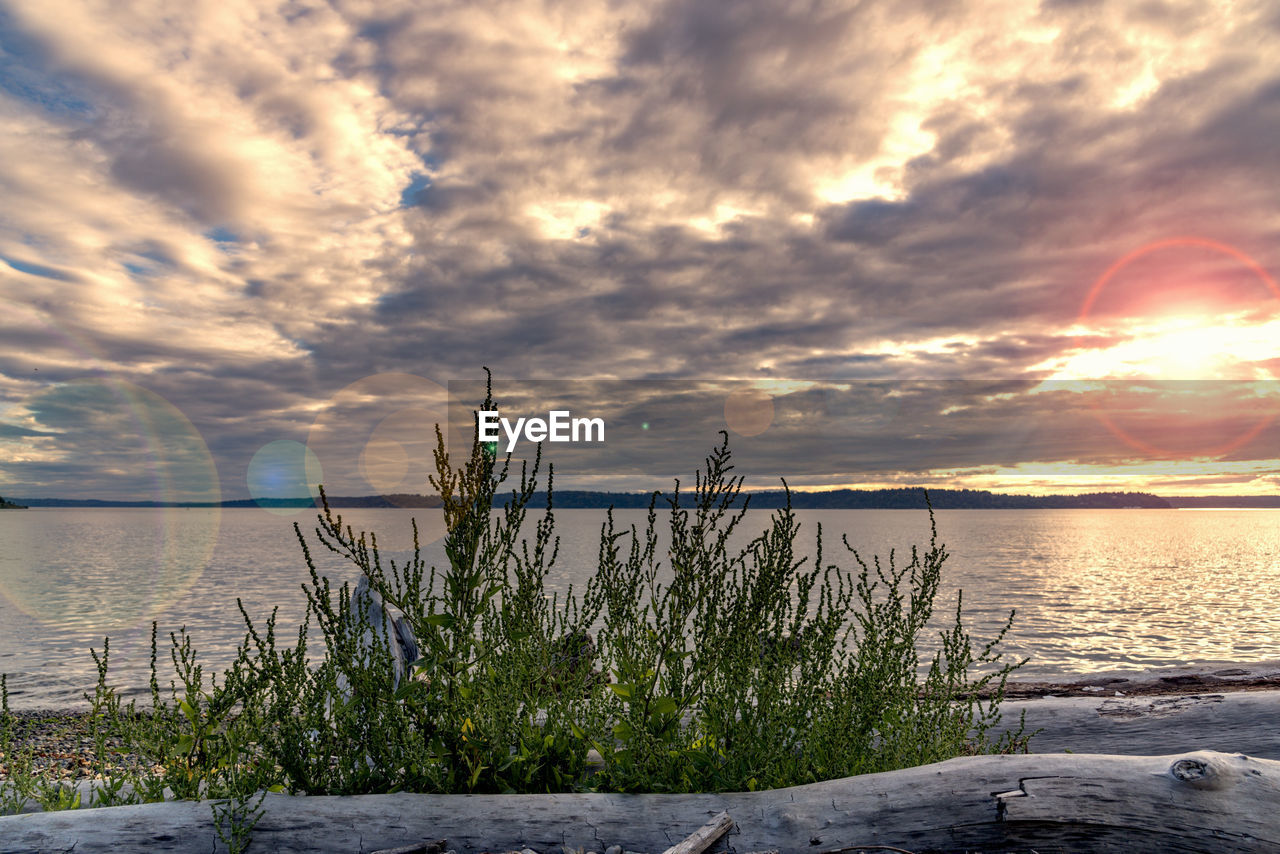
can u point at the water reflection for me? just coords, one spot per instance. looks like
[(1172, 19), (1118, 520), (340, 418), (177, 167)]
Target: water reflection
[(87, 572), (1094, 589), (72, 570)]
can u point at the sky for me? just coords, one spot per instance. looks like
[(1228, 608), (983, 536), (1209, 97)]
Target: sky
[(246, 247)]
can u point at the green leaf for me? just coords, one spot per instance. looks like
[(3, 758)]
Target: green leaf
[(622, 689), (407, 689), (663, 706), (445, 621)]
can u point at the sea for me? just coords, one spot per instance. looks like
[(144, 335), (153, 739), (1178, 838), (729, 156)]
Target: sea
[(1091, 590)]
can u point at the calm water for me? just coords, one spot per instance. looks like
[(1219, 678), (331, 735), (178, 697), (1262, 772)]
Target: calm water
[(1094, 590)]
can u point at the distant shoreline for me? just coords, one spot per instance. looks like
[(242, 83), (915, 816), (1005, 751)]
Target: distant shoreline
[(840, 499)]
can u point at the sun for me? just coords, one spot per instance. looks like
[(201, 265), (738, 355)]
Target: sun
[(1183, 308), (1176, 350), (1176, 347), (1176, 387)]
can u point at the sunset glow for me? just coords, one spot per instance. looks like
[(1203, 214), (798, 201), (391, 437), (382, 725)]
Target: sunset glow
[(1178, 348)]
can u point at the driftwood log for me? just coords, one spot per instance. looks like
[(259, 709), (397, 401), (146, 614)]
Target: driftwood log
[(704, 837), (1201, 801), (1232, 722)]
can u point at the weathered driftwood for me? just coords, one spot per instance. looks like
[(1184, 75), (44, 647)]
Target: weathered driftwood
[(436, 847), (385, 625), (1050, 803), (1243, 722), (704, 837)]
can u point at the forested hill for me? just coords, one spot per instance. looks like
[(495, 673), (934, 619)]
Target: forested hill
[(879, 499), (837, 499)]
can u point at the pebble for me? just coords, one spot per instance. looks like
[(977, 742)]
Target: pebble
[(60, 746), (613, 849)]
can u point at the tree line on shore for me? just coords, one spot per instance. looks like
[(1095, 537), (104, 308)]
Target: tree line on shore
[(904, 498)]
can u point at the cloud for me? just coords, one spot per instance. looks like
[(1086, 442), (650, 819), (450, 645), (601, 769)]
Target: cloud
[(246, 207)]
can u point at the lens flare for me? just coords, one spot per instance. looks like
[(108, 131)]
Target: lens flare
[(748, 411), (1169, 353), (282, 469), (378, 435), (112, 431)]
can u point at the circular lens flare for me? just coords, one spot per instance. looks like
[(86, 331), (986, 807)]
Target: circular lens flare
[(113, 433), (1128, 434), (748, 411), (281, 470), (378, 435)]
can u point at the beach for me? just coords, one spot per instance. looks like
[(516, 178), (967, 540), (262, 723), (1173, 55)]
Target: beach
[(1165, 760), (1230, 709)]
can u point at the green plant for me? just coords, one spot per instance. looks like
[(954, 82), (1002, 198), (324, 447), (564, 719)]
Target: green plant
[(236, 817), (26, 785), (730, 668), (54, 795), (201, 741), (698, 658), (110, 788), (12, 798), (192, 739), (492, 705), (755, 668)]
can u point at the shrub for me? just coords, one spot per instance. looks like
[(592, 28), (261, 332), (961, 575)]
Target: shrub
[(758, 668), (708, 668)]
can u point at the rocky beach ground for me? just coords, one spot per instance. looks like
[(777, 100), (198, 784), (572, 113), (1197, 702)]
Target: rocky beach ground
[(62, 747), (1152, 761)]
